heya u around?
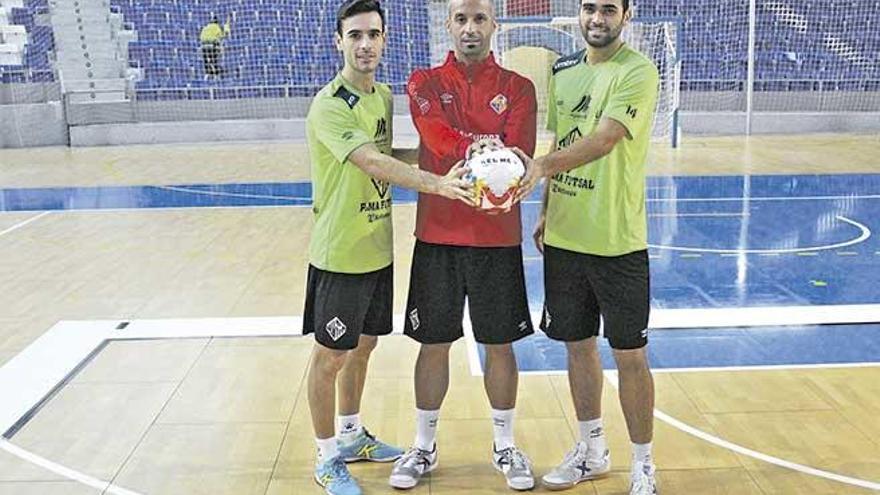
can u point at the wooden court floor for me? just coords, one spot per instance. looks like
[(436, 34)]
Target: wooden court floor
[(229, 416)]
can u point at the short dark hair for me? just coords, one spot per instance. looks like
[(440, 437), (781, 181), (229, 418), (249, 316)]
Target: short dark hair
[(351, 8), (625, 5)]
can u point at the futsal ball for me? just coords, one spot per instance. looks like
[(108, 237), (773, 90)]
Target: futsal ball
[(496, 176)]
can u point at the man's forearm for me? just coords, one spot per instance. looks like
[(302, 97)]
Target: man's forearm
[(580, 153), (406, 155), (389, 169)]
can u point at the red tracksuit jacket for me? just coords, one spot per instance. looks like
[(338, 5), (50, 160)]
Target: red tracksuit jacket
[(452, 106)]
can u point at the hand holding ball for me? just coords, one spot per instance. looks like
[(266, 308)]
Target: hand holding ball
[(496, 176)]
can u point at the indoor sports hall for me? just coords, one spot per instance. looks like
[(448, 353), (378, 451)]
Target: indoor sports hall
[(155, 221)]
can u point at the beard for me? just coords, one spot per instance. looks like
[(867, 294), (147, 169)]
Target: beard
[(608, 37)]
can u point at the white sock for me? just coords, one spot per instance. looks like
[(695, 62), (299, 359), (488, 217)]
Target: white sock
[(642, 454), (502, 425), (426, 428), (327, 449), (593, 434), (349, 427)]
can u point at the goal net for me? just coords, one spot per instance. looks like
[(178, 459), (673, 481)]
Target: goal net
[(530, 46)]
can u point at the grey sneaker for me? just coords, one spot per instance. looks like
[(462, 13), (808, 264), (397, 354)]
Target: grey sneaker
[(410, 467), (578, 465), (642, 480), (516, 467)]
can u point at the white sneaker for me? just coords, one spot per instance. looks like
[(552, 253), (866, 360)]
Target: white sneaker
[(516, 467), (410, 467), (578, 465), (642, 480)]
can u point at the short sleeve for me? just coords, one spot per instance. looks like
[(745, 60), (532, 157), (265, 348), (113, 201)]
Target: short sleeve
[(335, 126), (632, 103)]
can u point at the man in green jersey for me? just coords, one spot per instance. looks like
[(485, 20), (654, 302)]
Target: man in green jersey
[(593, 233), (349, 293)]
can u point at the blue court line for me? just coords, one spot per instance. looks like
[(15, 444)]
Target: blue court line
[(733, 347), (664, 194)]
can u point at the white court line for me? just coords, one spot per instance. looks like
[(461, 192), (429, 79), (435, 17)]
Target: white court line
[(31, 376), (23, 223), (863, 236), (63, 471), (698, 215), (232, 195), (731, 369), (746, 198), (739, 449)]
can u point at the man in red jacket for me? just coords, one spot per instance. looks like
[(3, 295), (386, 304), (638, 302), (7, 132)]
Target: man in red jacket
[(460, 107)]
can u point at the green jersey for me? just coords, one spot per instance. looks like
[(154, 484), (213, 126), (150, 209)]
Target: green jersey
[(599, 208), (352, 211)]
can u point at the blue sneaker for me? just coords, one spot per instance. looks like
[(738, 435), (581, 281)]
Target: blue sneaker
[(333, 475), (367, 448)]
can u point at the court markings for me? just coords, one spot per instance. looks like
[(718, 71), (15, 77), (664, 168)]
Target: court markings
[(739, 449), (31, 378), (863, 236), (99, 485), (23, 223)]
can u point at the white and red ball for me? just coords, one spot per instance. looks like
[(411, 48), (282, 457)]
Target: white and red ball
[(496, 176)]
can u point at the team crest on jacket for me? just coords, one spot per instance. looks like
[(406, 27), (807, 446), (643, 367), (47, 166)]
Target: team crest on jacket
[(499, 104)]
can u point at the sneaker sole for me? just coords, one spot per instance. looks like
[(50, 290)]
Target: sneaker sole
[(349, 460), (409, 483), (565, 486), (513, 485)]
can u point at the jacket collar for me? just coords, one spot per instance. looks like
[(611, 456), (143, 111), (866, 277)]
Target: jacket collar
[(473, 69)]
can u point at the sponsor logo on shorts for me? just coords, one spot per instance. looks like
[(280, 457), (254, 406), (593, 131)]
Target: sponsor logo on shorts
[(523, 326), (414, 319), (547, 317), (335, 329), (644, 333)]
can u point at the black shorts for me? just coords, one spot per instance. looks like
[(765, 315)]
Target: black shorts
[(579, 287), (492, 280), (342, 306)]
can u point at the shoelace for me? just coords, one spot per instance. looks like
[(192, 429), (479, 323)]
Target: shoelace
[(369, 435), (516, 458), (576, 454), (339, 471), (414, 457)]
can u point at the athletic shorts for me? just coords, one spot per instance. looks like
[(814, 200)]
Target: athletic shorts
[(491, 279), (580, 287), (342, 306)]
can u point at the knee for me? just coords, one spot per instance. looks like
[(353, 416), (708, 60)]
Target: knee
[(582, 346), (328, 361), (366, 345), (435, 351), (499, 351), (631, 361)]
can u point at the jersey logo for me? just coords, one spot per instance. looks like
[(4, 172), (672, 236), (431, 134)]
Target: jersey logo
[(335, 328), (446, 98), (572, 137), (583, 106), (381, 129), (347, 96), (499, 104), (568, 61), (381, 187), (631, 111)]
